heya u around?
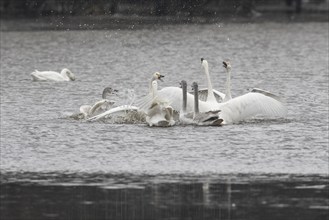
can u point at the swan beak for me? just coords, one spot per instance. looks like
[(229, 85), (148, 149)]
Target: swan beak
[(160, 78), (202, 60)]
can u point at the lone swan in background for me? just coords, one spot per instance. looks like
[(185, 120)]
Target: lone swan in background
[(64, 75)]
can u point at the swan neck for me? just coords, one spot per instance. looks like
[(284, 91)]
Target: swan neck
[(196, 99), (228, 86), (211, 95), (184, 89), (154, 88), (151, 86)]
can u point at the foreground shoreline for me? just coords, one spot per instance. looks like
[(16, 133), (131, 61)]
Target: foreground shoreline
[(124, 196)]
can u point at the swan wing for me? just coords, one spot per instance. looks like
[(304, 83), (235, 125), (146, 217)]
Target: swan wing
[(249, 105), (173, 96), (267, 93), (203, 94), (121, 108), (84, 109), (97, 106)]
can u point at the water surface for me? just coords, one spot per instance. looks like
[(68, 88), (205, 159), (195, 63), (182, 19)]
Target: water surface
[(37, 138)]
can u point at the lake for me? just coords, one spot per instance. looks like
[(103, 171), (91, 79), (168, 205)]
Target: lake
[(54, 167)]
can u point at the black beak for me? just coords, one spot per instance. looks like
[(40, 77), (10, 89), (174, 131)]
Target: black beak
[(160, 77), (224, 64), (115, 90), (202, 60)]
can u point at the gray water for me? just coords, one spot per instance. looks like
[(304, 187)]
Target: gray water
[(290, 60), (40, 143)]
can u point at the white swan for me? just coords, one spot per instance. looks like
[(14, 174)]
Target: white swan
[(159, 113), (101, 105), (65, 75), (209, 94), (196, 117)]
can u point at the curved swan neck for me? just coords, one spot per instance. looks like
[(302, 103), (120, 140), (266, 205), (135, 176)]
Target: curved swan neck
[(210, 96), (64, 73), (184, 89), (228, 86), (196, 98)]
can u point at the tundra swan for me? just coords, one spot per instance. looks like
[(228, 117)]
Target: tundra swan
[(64, 75), (159, 113), (204, 118), (99, 106), (124, 109)]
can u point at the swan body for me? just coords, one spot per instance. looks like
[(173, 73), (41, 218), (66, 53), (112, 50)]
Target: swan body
[(64, 75)]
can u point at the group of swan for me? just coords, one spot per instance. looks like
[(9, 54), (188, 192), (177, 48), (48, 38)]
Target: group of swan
[(213, 108), (64, 75), (204, 107), (229, 110)]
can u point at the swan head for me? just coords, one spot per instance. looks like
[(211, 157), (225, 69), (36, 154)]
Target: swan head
[(69, 74), (157, 76), (108, 91), (195, 86), (204, 63), (227, 65), (183, 84)]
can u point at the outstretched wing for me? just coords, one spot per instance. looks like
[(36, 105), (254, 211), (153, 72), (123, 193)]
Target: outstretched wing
[(203, 94), (251, 104), (122, 108), (267, 93)]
